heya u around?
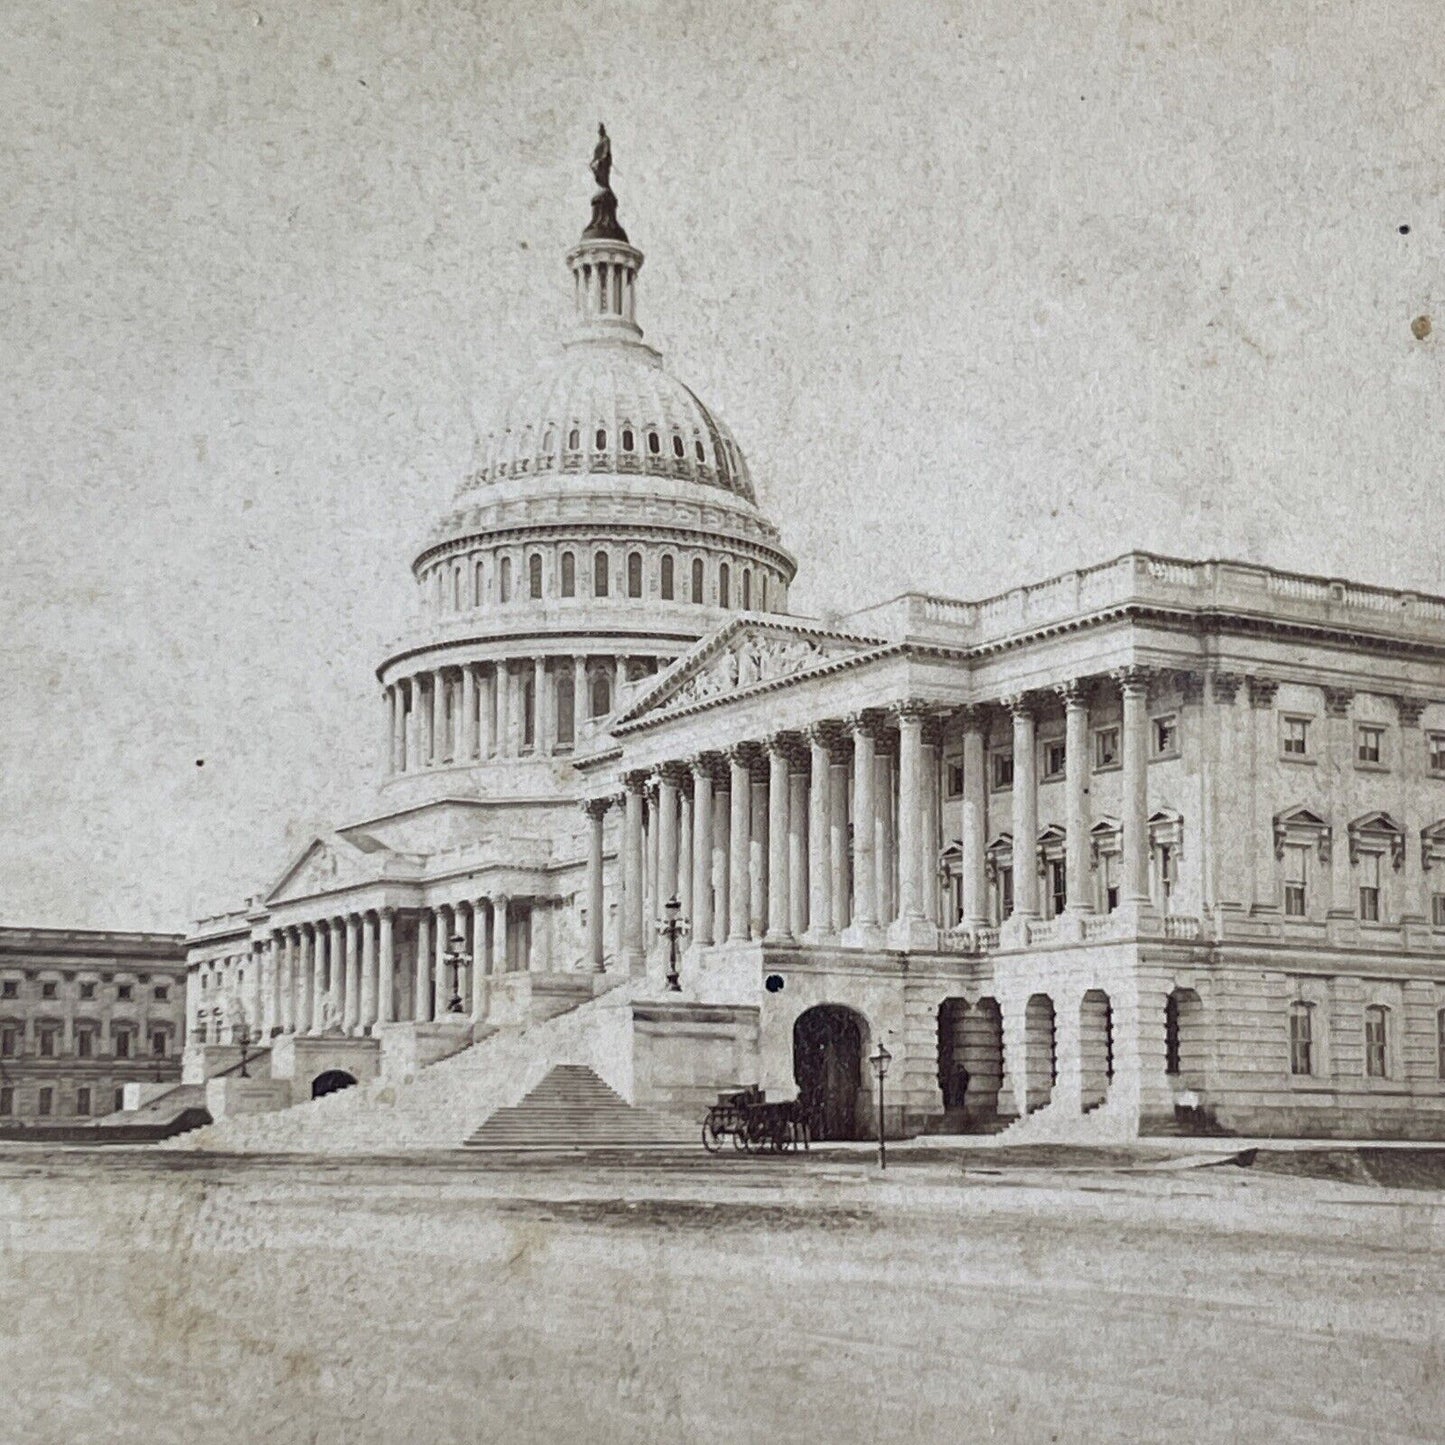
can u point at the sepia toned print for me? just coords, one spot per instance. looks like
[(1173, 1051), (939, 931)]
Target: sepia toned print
[(725, 963)]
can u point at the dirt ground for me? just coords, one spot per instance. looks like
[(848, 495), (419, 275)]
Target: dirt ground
[(450, 1298)]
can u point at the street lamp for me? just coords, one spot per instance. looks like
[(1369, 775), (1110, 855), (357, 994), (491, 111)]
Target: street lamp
[(454, 957), (243, 1037), (673, 927), (880, 1061)]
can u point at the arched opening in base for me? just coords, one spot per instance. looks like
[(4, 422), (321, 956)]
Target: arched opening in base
[(330, 1082), (970, 1058), (828, 1046), (1041, 1051), (1096, 1047)]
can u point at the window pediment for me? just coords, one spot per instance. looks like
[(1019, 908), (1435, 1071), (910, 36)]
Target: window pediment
[(1301, 828), (998, 855), (1105, 838), (1166, 830), (1432, 844), (1377, 832)]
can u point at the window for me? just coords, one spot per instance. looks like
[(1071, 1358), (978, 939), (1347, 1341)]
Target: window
[(1171, 1034), (627, 439), (47, 990), (1110, 883), (1058, 886), (569, 575), (1166, 736), (1005, 893), (1106, 748), (84, 1043), (665, 583), (160, 993), (534, 576), (9, 989), (87, 990), (762, 591), (47, 1102), (1296, 737), (697, 449), (122, 1044), (574, 440), (599, 575), (549, 443), (566, 708), (600, 439), (7, 1100), (1377, 1039), (601, 695), (47, 1043), (529, 713), (1301, 1038), (697, 580), (1436, 744), (1054, 759), (634, 574), (125, 992), (954, 780), (1168, 871), (724, 578), (504, 580), (1296, 880), (1001, 769), (1369, 866), (1369, 742), (1440, 1043), (678, 450), (747, 589), (82, 1102), (9, 1042), (1437, 910), (118, 1101), (654, 443), (158, 1044)]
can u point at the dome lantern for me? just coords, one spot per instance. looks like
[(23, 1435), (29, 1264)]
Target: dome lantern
[(604, 264)]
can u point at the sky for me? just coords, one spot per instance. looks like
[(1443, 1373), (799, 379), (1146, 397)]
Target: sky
[(985, 292)]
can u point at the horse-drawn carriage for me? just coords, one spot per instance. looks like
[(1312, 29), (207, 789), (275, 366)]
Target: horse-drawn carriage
[(756, 1126)]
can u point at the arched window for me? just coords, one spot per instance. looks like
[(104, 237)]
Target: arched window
[(504, 584), (574, 440), (601, 439), (634, 574), (565, 697), (601, 695), (1171, 1034), (456, 589), (678, 450), (763, 589), (549, 442), (569, 575), (665, 584), (747, 589), (1301, 1037), (724, 578), (1377, 1042), (654, 443), (1440, 1044), (697, 582), (701, 455), (599, 575), (529, 712), (480, 585), (534, 575), (627, 439)]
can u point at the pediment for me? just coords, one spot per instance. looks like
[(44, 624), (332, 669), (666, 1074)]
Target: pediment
[(325, 865), (744, 656), (432, 827)]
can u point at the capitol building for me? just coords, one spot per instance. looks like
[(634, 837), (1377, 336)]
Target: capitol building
[(1153, 846)]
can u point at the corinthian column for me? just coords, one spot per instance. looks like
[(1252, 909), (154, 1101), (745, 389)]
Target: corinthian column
[(596, 811), (820, 893), (468, 748), (669, 783), (912, 928), (973, 822), (778, 800), (740, 789), (1026, 810), (361, 941), (421, 993), (1134, 685), (862, 932), (632, 936), (1076, 794), (702, 834)]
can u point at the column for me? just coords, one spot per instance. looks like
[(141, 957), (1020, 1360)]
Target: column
[(442, 975), (632, 936), (304, 979), (1026, 810), (652, 905), (797, 849), (776, 853), (421, 995), (863, 928), (840, 880), (320, 960), (721, 861), (885, 857), (438, 718), (740, 791), (415, 757), (669, 779), (335, 953), (540, 746), (499, 934), (758, 854), (421, 696), (596, 811), (911, 919), (1076, 795), (468, 749), (398, 728), (286, 993), (386, 967), (503, 688), (820, 857), (270, 992), (579, 699), (702, 851), (361, 943), (486, 713), (1134, 740), (974, 822), (346, 952), (479, 960)]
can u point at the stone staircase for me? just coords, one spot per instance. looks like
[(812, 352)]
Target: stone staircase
[(572, 1109), (1115, 1121), (444, 1103)]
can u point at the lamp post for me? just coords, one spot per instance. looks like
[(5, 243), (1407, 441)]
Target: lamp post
[(880, 1061), (454, 958), (243, 1037), (672, 927)]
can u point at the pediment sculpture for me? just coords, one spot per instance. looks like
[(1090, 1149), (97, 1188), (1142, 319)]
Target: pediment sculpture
[(754, 660)]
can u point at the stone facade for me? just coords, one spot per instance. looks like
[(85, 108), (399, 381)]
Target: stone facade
[(1157, 843), (83, 1014)]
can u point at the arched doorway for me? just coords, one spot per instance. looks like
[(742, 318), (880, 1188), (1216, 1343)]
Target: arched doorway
[(330, 1082), (828, 1043), (1184, 1038), (1096, 1048), (970, 1057), (1040, 1049)]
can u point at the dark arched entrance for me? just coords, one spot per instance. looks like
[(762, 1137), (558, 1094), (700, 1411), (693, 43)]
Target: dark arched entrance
[(828, 1065), (330, 1082)]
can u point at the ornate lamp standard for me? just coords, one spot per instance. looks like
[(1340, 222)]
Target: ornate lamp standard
[(243, 1037), (454, 957), (880, 1061), (673, 927)]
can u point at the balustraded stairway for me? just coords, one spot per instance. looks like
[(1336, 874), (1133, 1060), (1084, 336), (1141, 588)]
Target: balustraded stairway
[(447, 1102)]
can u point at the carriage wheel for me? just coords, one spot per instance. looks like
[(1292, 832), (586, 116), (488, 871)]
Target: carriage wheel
[(740, 1137), (711, 1135)]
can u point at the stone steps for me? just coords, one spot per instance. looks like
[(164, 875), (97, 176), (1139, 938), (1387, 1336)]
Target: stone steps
[(573, 1109)]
